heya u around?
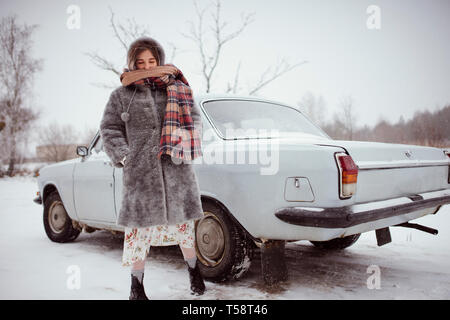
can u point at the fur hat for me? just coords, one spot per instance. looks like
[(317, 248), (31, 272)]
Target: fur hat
[(141, 44)]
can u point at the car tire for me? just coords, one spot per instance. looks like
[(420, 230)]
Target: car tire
[(224, 250), (338, 243), (57, 223)]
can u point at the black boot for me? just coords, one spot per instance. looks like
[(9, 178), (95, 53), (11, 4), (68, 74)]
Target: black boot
[(197, 284), (137, 289)]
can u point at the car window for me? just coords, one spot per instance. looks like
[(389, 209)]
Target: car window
[(255, 116)]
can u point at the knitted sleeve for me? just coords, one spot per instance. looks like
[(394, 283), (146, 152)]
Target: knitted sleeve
[(112, 131)]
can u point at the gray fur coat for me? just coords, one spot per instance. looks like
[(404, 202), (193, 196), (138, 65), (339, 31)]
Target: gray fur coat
[(155, 191)]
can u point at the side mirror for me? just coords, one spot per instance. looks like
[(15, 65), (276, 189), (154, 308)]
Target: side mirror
[(82, 151)]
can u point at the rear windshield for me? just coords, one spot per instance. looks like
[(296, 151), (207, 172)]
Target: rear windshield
[(240, 119)]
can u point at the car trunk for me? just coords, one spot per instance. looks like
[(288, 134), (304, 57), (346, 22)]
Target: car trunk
[(392, 170), (387, 170)]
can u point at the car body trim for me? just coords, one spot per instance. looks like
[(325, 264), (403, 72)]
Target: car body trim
[(377, 165)]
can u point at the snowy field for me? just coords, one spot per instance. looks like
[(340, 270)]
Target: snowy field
[(415, 265)]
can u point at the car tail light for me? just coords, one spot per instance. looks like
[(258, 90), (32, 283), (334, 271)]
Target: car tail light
[(348, 175)]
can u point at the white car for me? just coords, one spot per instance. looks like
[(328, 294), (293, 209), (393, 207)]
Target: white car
[(268, 175)]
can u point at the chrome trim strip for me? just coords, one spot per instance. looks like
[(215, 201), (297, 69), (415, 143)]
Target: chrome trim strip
[(400, 164)]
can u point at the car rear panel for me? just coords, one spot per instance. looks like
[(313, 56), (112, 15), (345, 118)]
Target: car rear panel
[(393, 170)]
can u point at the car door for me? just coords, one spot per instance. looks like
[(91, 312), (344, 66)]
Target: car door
[(94, 185)]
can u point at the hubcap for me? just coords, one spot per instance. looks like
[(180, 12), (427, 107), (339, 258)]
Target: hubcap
[(57, 217), (210, 240)]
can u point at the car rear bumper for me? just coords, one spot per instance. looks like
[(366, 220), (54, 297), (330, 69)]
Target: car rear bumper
[(345, 217)]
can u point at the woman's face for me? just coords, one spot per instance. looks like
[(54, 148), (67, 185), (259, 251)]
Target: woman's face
[(146, 60)]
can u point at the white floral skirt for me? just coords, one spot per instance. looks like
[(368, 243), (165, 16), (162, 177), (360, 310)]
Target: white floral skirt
[(137, 241)]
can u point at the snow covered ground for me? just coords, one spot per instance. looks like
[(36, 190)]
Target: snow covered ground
[(415, 265)]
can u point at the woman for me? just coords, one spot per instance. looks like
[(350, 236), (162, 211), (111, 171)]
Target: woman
[(150, 136)]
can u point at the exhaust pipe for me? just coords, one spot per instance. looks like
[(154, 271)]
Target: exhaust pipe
[(418, 227)]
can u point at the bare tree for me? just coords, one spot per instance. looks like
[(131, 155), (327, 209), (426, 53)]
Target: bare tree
[(383, 131), (425, 128), (234, 88), (209, 57), (347, 116), (273, 73), (124, 34), (87, 136), (314, 108), (57, 143), (363, 134), (17, 70), (336, 128)]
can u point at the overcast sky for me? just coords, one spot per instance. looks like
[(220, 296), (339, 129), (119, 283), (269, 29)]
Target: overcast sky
[(396, 70)]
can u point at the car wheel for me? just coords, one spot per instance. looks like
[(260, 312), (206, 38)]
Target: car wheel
[(223, 249), (57, 223), (338, 243)]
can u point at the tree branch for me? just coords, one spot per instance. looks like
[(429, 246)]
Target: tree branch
[(278, 72)]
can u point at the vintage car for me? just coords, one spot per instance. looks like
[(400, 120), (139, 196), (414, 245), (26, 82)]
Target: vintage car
[(268, 175)]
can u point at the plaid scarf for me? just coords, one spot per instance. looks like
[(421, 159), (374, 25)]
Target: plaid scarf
[(179, 138)]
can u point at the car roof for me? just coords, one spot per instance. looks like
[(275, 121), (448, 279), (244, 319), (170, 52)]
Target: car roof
[(212, 96)]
